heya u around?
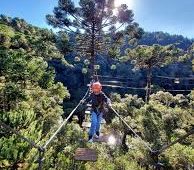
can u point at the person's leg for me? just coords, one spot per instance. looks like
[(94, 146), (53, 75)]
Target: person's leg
[(93, 125), (99, 118)]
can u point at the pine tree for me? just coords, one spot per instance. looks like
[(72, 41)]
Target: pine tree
[(149, 57), (98, 25), (30, 100)]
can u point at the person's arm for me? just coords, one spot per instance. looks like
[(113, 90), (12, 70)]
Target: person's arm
[(87, 99)]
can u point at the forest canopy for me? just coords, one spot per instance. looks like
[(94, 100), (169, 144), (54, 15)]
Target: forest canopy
[(44, 74)]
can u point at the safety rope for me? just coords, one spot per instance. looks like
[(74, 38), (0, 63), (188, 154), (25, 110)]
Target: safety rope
[(153, 152), (144, 143), (7, 127), (176, 141), (32, 143), (42, 149), (119, 116), (65, 121)]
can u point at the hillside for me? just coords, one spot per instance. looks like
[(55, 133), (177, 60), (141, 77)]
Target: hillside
[(41, 81)]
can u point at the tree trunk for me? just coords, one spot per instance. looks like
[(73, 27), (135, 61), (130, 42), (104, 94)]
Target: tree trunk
[(148, 89), (5, 103), (93, 51), (124, 145)]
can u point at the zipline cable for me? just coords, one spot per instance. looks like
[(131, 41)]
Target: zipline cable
[(117, 86), (181, 78), (165, 77), (177, 90), (65, 121), (114, 82), (121, 78)]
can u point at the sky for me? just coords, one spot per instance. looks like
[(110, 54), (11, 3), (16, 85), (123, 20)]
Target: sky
[(172, 16)]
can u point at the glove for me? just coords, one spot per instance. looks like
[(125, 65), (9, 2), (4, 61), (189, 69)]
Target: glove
[(82, 101), (109, 104)]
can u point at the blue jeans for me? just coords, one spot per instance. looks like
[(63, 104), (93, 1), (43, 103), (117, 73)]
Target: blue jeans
[(95, 123)]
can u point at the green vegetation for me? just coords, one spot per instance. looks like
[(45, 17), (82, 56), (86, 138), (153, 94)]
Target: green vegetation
[(37, 67), (29, 98), (149, 57), (99, 30)]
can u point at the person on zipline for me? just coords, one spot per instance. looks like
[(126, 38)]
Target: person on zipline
[(98, 99)]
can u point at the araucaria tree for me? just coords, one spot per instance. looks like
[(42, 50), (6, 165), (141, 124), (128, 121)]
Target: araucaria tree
[(149, 57), (98, 25)]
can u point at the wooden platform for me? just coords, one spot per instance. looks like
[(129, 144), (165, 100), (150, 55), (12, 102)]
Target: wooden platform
[(85, 154)]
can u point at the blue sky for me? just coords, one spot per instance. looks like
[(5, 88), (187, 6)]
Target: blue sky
[(172, 16)]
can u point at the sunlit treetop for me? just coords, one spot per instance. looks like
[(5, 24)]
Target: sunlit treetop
[(99, 26), (100, 14)]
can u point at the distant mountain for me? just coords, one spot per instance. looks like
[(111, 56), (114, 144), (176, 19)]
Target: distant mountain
[(150, 38)]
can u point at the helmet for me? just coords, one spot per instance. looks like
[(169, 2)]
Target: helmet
[(96, 87)]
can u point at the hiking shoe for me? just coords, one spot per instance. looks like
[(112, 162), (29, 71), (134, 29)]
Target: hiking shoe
[(90, 141), (96, 136)]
